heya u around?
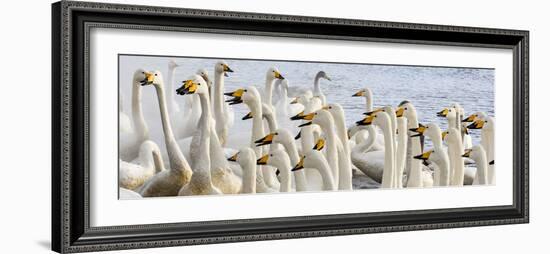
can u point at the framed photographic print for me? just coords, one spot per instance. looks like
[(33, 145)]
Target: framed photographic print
[(181, 126)]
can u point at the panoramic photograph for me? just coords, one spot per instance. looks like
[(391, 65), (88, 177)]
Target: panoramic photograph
[(217, 126)]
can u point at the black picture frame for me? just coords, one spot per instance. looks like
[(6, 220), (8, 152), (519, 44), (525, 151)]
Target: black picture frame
[(71, 22)]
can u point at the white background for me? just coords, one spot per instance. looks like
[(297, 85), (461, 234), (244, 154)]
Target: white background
[(25, 149)]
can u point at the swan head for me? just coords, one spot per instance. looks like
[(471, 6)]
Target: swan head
[(474, 116), (365, 92), (450, 135), (475, 153), (247, 95), (457, 107), (430, 130), (447, 112), (379, 118), (244, 155), (487, 124), (334, 109), (406, 109), (266, 112), (274, 73), (139, 76), (172, 64), (204, 74), (222, 67), (194, 85), (309, 160), (424, 156), (320, 117), (279, 136), (322, 74), (376, 110), (268, 139), (278, 159), (151, 78)]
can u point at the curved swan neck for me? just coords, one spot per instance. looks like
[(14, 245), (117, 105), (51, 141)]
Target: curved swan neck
[(219, 86), (441, 175), (436, 141), (488, 139), (368, 98), (217, 155), (292, 151), (201, 170), (341, 132), (454, 142), (482, 169), (389, 153), (414, 148), (257, 125), (326, 174), (177, 160), (206, 111), (317, 84), (140, 126), (249, 176), (272, 122), (284, 168), (269, 90)]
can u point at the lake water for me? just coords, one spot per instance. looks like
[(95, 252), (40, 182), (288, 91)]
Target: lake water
[(430, 89)]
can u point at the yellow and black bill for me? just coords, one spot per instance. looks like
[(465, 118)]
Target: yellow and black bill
[(399, 111), (234, 157), (298, 116), (299, 135), (263, 160), (300, 164), (247, 116), (268, 139), (305, 124), (302, 116), (278, 75), (319, 145), (148, 80), (188, 87), (424, 156), (366, 121), (226, 68), (359, 94), (373, 112), (237, 94), (477, 124), (419, 131), (470, 118), (467, 153), (443, 113)]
